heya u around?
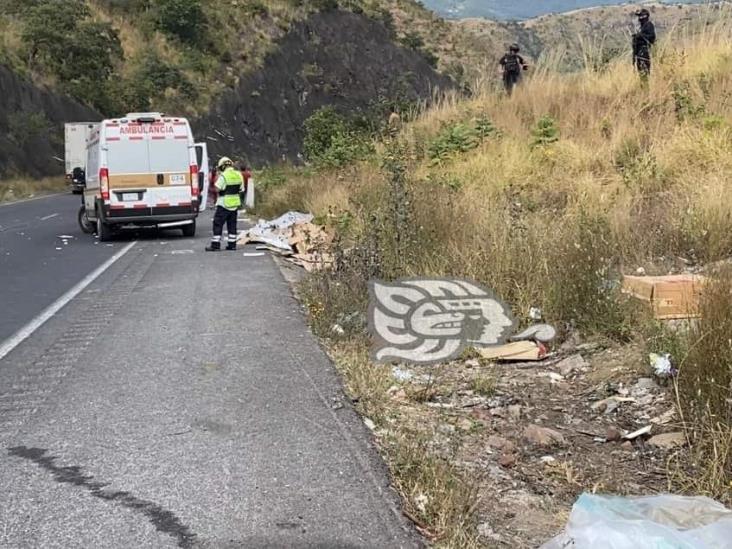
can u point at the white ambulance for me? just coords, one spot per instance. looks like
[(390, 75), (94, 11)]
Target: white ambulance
[(143, 170)]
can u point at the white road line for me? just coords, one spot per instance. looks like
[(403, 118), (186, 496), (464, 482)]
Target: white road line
[(49, 217), (14, 202), (27, 330)]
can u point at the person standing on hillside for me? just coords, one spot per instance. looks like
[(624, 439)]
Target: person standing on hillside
[(230, 185), (642, 42), (512, 64)]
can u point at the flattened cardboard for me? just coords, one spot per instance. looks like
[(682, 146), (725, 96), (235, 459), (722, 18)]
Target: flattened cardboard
[(518, 350)]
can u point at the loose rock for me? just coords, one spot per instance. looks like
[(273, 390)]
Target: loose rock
[(571, 364), (667, 440), (613, 434), (543, 436), (507, 460)]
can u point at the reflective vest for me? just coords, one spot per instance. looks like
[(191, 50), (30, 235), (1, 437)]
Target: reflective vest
[(233, 184)]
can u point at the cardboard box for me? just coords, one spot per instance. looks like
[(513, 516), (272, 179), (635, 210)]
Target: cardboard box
[(670, 297)]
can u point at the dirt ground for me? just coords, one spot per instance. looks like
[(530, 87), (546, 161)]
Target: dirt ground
[(534, 436)]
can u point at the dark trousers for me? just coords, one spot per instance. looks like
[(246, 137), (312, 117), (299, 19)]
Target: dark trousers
[(643, 63), (511, 80), (229, 217)]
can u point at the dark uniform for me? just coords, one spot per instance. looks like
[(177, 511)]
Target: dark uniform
[(642, 42), (512, 64)]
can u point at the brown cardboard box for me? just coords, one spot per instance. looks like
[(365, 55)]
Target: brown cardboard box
[(673, 296)]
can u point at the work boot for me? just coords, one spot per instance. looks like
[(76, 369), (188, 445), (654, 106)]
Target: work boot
[(214, 247), (231, 246)]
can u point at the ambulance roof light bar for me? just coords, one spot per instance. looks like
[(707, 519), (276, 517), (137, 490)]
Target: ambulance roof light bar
[(144, 117)]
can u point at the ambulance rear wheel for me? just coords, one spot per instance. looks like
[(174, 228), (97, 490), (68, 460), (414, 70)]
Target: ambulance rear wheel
[(104, 231), (189, 230), (87, 227)]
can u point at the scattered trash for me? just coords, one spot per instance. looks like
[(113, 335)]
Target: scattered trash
[(370, 424), (535, 313), (337, 329), (294, 236), (615, 522), (519, 350), (543, 333), (670, 297), (421, 502), (661, 365), (401, 374), (254, 254), (548, 460), (639, 433)]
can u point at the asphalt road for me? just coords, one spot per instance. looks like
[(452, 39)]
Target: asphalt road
[(36, 265), (178, 401)]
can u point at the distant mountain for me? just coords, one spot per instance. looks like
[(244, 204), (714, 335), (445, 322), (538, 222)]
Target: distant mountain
[(518, 9)]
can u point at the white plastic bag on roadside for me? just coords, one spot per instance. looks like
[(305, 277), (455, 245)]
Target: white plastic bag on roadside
[(658, 522)]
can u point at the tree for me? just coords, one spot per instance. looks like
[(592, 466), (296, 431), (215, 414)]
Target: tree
[(79, 52), (181, 18)]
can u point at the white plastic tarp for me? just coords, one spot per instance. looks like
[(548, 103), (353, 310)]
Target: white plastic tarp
[(661, 522)]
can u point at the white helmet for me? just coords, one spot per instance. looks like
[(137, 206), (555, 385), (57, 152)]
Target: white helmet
[(223, 162)]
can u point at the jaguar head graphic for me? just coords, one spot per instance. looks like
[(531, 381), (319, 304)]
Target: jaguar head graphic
[(433, 320)]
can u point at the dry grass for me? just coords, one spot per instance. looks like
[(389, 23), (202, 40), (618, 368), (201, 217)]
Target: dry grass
[(637, 177), (436, 498), (704, 395), (18, 189)]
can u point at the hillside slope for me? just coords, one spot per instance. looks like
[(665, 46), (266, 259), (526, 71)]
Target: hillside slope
[(335, 58), (548, 198), (31, 122)]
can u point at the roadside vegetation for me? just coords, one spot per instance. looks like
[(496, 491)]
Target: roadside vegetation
[(170, 55), (20, 188), (548, 197)]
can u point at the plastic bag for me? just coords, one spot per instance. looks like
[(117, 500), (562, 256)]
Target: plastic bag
[(657, 522)]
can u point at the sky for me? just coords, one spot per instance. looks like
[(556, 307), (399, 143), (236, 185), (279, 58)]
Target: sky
[(512, 9)]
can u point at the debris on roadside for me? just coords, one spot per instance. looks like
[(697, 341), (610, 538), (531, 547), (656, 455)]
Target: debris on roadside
[(651, 521), (518, 350), (295, 237), (661, 365), (639, 433), (670, 297)]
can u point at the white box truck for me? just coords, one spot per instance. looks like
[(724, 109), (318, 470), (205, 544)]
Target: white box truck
[(76, 135)]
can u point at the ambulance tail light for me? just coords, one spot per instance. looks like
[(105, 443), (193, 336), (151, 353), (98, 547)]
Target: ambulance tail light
[(194, 180), (104, 183)]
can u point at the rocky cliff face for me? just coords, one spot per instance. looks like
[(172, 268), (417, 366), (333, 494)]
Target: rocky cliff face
[(31, 126), (334, 58)]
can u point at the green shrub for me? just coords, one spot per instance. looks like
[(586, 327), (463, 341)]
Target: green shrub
[(81, 53), (180, 18), (459, 138), (545, 132), (331, 140)]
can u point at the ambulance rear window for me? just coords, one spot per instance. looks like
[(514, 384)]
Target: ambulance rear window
[(126, 157), (169, 155)]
